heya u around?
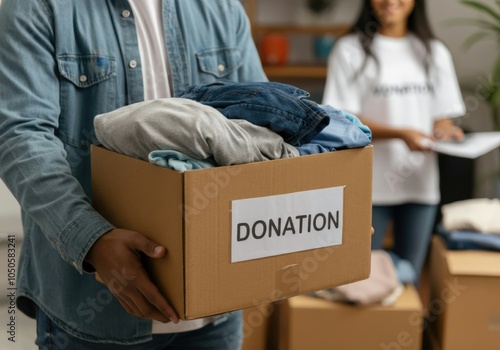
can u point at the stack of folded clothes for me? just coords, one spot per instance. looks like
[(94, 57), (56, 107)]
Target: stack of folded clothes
[(471, 224)]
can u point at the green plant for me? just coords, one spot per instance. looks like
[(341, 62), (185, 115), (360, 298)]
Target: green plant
[(488, 28)]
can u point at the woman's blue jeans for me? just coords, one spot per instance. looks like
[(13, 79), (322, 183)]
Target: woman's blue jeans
[(225, 334), (412, 227)]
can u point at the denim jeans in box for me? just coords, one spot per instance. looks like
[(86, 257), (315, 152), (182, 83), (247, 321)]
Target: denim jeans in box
[(283, 108)]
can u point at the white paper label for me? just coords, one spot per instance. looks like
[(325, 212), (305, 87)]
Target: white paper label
[(287, 223)]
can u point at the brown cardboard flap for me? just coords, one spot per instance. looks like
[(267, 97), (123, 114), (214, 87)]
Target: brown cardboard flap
[(471, 262)]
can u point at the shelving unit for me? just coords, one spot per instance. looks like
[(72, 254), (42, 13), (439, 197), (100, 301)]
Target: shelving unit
[(298, 29), (311, 70), (296, 71)]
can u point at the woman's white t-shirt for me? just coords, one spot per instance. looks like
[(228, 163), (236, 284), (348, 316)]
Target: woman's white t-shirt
[(398, 93)]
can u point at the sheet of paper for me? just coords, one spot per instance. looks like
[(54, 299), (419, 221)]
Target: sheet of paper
[(473, 146), (286, 223)]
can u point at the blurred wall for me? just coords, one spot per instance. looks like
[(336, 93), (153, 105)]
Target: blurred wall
[(10, 215)]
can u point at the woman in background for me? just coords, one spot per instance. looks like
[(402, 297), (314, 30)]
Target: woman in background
[(400, 81)]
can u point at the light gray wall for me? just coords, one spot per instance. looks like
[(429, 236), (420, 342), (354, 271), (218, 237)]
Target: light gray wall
[(470, 64), (10, 214)]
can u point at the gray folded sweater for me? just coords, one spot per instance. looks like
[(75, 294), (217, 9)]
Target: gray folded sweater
[(190, 127)]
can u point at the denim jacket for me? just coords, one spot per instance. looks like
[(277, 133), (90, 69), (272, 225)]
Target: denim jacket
[(61, 63)]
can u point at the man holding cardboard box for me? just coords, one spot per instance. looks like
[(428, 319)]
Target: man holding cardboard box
[(63, 62)]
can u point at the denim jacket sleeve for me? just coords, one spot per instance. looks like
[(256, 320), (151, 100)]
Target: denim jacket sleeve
[(33, 159)]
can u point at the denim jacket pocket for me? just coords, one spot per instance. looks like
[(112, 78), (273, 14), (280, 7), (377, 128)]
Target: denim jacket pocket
[(84, 78), (86, 70), (220, 62)]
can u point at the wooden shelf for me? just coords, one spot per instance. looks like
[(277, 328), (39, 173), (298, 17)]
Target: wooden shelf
[(296, 71), (306, 30)]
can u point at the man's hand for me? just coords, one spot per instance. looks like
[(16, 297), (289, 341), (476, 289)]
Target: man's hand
[(119, 252)]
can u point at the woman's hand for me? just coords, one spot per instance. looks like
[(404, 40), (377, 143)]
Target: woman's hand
[(445, 130), (416, 140)]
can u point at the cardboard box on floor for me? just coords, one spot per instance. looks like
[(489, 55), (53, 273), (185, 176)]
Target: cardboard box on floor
[(312, 323), (191, 214), (256, 327), (430, 340), (464, 309)]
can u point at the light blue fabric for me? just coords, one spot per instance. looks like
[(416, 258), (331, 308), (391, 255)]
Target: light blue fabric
[(412, 230), (63, 62), (344, 131), (177, 161), (404, 269)]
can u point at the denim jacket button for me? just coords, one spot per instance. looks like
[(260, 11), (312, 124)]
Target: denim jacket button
[(83, 78), (221, 68), (126, 13), (132, 64)]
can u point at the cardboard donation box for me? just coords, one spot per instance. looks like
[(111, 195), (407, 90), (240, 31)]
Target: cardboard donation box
[(238, 236), (464, 310), (306, 322)]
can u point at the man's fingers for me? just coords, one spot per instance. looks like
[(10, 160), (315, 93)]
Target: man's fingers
[(144, 309), (120, 250), (135, 303), (154, 298), (148, 247), (144, 299), (128, 305)]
